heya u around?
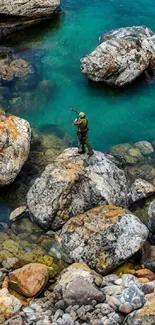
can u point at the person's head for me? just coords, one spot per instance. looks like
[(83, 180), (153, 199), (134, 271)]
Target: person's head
[(82, 115)]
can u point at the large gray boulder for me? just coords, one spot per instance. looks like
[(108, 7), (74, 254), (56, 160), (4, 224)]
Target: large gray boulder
[(123, 55), (15, 136), (74, 184), (104, 237), (21, 14), (31, 8)]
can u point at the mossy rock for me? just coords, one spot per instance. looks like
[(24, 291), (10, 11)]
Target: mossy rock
[(135, 152), (131, 161), (11, 246), (144, 171), (121, 148), (4, 255), (3, 237), (24, 225)]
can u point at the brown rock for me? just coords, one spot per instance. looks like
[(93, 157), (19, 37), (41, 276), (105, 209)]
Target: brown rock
[(29, 280), (145, 273), (143, 280)]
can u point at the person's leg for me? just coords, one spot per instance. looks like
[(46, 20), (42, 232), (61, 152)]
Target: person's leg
[(80, 143), (88, 144)]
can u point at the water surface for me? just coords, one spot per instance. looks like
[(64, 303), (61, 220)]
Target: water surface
[(115, 116)]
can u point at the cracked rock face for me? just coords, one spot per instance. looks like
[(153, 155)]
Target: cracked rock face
[(74, 184), (123, 55), (30, 8), (15, 135), (103, 237), (19, 14)]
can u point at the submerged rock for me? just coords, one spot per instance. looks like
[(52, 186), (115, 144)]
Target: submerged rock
[(123, 55), (103, 237), (21, 14), (15, 135), (74, 184)]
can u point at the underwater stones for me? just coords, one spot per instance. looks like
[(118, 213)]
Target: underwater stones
[(18, 68), (144, 171), (123, 55), (29, 280), (145, 147), (9, 305), (103, 237), (15, 135), (145, 273), (141, 189)]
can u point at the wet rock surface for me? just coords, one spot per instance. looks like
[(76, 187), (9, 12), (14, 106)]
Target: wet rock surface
[(123, 55)]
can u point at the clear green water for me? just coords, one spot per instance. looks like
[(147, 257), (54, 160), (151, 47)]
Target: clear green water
[(115, 116)]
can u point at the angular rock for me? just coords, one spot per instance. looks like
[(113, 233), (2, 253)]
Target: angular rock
[(141, 189), (29, 280), (21, 14), (73, 185), (119, 43), (9, 305), (117, 62), (103, 237), (15, 135), (122, 56)]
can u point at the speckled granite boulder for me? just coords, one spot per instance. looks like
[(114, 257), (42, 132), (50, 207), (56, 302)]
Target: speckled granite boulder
[(103, 237), (74, 184), (123, 55)]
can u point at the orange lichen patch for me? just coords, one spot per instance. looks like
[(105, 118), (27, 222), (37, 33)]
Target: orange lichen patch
[(105, 216), (143, 280), (69, 172), (76, 222), (145, 273), (148, 310), (7, 125)]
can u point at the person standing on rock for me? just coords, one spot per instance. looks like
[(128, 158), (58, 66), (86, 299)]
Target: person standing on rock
[(82, 125)]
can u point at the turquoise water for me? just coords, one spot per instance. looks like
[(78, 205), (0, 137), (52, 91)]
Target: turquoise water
[(115, 116)]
